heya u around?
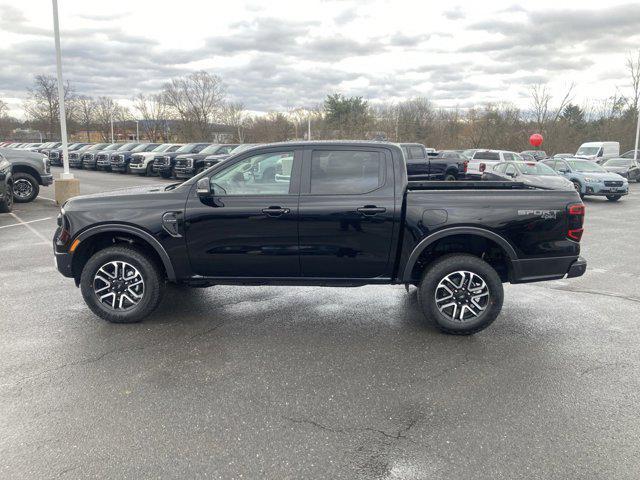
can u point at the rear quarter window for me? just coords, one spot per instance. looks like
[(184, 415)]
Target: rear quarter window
[(486, 156)]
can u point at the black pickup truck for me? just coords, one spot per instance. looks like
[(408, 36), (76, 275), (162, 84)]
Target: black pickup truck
[(430, 165), (326, 214)]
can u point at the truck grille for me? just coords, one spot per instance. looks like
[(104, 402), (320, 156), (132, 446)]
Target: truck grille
[(137, 159), (102, 157), (54, 154), (73, 156), (183, 162), (614, 183)]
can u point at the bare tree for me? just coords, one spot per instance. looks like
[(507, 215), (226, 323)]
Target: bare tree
[(42, 106), (153, 111), (234, 115), (197, 100), (4, 108), (106, 111), (86, 114), (633, 66)]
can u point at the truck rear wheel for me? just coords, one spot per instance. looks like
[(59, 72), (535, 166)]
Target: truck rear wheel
[(121, 284), (462, 293)]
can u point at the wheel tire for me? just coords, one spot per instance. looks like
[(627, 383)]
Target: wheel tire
[(614, 198), (450, 177), (151, 274), (6, 203), (578, 188), (445, 266), (165, 174), (149, 170), (25, 188)]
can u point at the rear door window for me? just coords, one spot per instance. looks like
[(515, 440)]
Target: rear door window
[(339, 172)]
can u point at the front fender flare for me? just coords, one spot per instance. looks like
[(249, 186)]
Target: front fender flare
[(122, 228), (447, 232)]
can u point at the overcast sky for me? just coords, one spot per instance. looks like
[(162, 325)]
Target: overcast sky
[(276, 55)]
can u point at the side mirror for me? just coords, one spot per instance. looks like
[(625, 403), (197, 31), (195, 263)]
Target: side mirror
[(203, 187)]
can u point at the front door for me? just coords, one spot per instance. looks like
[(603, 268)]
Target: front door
[(248, 227), (347, 211)]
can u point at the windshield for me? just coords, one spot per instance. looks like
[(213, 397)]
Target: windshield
[(242, 148), (187, 148), (588, 151), (145, 147), (99, 146), (162, 147), (126, 147), (535, 169), (113, 146), (585, 166), (619, 162), (210, 149)]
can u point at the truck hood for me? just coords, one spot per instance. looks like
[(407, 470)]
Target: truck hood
[(112, 195), (602, 175)]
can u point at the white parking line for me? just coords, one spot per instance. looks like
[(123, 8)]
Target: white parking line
[(24, 223), (33, 230)]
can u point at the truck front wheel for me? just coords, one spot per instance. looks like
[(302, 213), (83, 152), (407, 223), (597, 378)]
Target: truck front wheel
[(121, 284), (462, 293)]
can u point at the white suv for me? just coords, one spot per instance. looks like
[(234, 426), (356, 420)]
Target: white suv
[(484, 160), (141, 163)]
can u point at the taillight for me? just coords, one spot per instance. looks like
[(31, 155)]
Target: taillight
[(576, 220), (482, 167), (464, 165)]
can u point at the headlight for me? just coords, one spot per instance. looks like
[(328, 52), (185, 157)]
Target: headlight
[(189, 161), (591, 180)]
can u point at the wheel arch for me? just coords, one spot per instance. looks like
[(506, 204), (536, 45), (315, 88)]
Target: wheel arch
[(22, 168), (104, 235), (451, 233)]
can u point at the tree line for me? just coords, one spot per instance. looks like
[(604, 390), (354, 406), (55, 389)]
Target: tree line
[(196, 108)]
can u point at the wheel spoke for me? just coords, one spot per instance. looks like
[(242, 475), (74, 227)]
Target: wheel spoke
[(462, 296), (118, 285)]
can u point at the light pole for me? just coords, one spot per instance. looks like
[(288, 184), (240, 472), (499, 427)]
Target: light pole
[(66, 186), (635, 151), (63, 115), (309, 129), (112, 128), (137, 132)]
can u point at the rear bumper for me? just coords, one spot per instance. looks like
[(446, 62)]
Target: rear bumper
[(541, 269)]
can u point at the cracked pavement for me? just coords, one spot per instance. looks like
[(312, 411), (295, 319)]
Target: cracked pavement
[(281, 382)]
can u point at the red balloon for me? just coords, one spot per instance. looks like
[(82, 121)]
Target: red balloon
[(536, 140)]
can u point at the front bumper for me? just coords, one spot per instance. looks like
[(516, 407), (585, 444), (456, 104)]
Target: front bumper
[(163, 168), (63, 260), (137, 168), (599, 189), (47, 179), (184, 172), (118, 167)]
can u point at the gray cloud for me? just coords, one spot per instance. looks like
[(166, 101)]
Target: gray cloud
[(454, 13)]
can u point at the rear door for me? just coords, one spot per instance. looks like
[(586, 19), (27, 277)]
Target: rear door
[(346, 215)]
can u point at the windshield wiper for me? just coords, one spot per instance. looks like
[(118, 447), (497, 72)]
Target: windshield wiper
[(171, 187)]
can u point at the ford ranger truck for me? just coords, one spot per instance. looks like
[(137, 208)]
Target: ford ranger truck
[(321, 214)]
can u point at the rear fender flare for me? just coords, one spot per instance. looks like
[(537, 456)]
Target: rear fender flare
[(447, 232)]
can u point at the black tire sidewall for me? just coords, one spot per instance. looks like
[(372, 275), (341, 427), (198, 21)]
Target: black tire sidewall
[(614, 198), (6, 203), (34, 186), (151, 275), (449, 264)]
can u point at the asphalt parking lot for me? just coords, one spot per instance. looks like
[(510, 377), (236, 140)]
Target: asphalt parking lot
[(281, 382)]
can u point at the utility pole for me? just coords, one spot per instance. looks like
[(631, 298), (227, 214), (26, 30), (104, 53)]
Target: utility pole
[(66, 186)]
